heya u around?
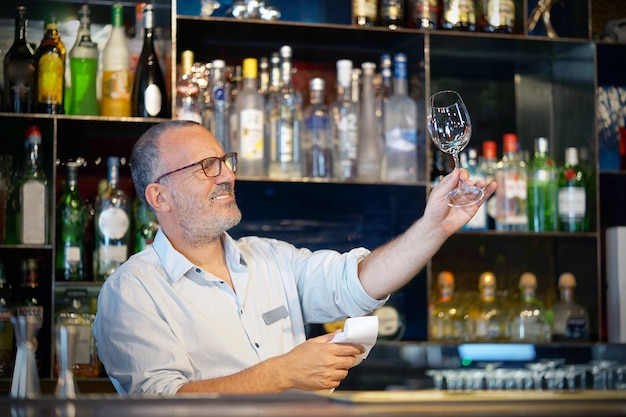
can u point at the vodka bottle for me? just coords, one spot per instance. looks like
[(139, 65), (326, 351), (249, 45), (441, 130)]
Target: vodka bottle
[(217, 105), (370, 152), (459, 15), (112, 224), (345, 124), (400, 128), (572, 194), (489, 319), (50, 69), (33, 193), (542, 189), (116, 75), (469, 161), (187, 91), (286, 118), (571, 321), (19, 69), (249, 120), (149, 95), (83, 97), (488, 166), (449, 320), (364, 12), (528, 316), (317, 143), (511, 194), (71, 224)]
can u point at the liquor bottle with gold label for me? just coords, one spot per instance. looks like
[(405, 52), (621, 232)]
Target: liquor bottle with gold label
[(50, 70)]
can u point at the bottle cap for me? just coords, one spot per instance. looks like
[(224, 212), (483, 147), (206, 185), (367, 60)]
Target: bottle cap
[(33, 135), (186, 61), (250, 68), (218, 63), (541, 144), (316, 84), (509, 143), (571, 156), (285, 51), (344, 72), (528, 279), (445, 278), (567, 279), (487, 279), (490, 149)]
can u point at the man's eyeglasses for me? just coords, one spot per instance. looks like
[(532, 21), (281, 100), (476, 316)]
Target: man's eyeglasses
[(211, 166)]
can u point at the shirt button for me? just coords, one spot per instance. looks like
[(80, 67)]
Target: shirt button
[(198, 270), (257, 345)]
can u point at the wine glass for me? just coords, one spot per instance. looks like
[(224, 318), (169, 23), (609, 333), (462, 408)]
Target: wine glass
[(450, 129)]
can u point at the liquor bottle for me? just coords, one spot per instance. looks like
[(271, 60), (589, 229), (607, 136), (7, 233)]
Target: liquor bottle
[(571, 321), (459, 15), (572, 194), (345, 124), (542, 189), (391, 13), (6, 328), (112, 224), (135, 42), (19, 69), (187, 91), (400, 128), (496, 16), (449, 320), (217, 104), (384, 90), (469, 161), (512, 191), (33, 193), (71, 225), (83, 98), (528, 322), (149, 96), (146, 225), (489, 319), (285, 116), (249, 120), (50, 70), (364, 12), (30, 304), (264, 76), (355, 80), (488, 166), (370, 146), (318, 134), (272, 99), (424, 14), (77, 317), (116, 81)]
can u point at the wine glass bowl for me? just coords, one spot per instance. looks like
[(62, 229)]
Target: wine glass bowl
[(450, 128)]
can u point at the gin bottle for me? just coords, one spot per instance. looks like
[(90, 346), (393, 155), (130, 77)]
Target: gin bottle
[(400, 128), (83, 97), (71, 223), (572, 194), (528, 316), (542, 189), (571, 321), (112, 224), (33, 193), (370, 147), (317, 144), (489, 319), (345, 124), (512, 191), (449, 320)]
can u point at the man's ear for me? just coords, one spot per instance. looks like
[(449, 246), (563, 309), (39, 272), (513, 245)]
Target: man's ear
[(155, 197)]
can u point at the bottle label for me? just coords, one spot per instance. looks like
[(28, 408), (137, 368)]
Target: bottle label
[(50, 78), (459, 11), (33, 210), (425, 10), (572, 202), (83, 347), (348, 136), (401, 140), (153, 100), (388, 321), (115, 93), (251, 128), (576, 327), (365, 8), (72, 254), (109, 254), (113, 223)]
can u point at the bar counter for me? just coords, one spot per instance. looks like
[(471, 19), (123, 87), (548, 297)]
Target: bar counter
[(339, 404)]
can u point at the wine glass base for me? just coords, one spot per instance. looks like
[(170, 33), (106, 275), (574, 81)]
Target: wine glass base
[(464, 196)]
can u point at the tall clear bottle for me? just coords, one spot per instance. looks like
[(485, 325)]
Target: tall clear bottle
[(112, 224), (572, 194), (400, 128), (317, 143), (571, 320), (345, 124), (116, 75), (286, 120), (528, 318), (542, 189), (19, 69), (83, 98), (449, 319), (71, 219), (488, 166), (149, 95), (217, 105), (469, 160), (370, 147), (249, 121), (50, 69), (33, 193), (187, 91), (512, 191), (489, 318), (272, 98)]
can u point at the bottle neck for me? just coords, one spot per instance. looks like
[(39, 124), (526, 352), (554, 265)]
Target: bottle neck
[(317, 96), (567, 294), (113, 176), (20, 27)]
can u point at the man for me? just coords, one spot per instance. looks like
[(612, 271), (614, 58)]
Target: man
[(198, 311)]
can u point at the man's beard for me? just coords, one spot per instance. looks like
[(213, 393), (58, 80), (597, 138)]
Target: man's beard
[(203, 221)]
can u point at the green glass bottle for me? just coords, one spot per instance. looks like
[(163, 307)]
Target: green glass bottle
[(572, 194), (84, 69), (542, 189), (146, 225), (71, 222)]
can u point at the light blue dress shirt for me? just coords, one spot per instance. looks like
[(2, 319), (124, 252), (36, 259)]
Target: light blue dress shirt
[(162, 321)]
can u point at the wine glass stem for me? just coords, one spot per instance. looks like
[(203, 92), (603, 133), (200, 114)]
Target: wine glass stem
[(457, 163)]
